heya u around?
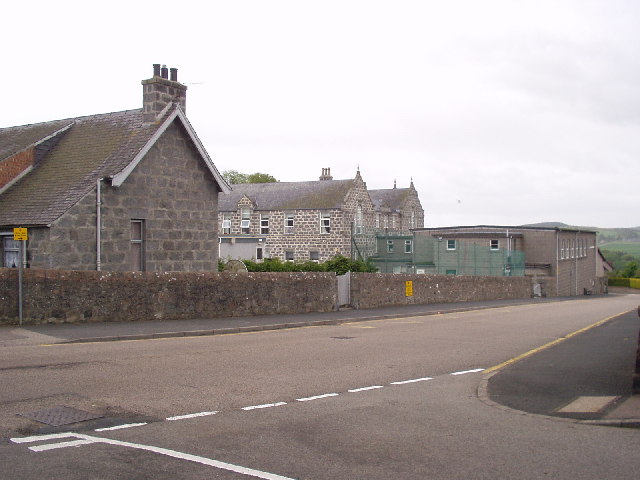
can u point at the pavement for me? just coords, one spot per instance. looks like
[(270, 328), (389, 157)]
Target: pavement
[(586, 378)]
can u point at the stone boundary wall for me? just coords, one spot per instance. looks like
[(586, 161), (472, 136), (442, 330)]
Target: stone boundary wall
[(372, 290), (58, 296)]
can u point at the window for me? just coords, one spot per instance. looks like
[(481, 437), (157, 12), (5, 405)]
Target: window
[(386, 221), (451, 272), (10, 252), (413, 219), (377, 220), (408, 246), (359, 221), (314, 256), (226, 224), (562, 250), (288, 256), (245, 220), (325, 222), (264, 224), (389, 246), (494, 244), (451, 244), (573, 249), (259, 253), (289, 222), (137, 245)]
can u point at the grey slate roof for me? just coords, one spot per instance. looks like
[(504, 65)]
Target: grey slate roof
[(391, 198), (89, 148), (312, 195), (94, 146)]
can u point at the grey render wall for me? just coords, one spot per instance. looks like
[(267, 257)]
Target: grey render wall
[(171, 190), (58, 296)]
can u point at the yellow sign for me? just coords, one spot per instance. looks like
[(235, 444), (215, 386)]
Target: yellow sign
[(20, 234), (408, 288)]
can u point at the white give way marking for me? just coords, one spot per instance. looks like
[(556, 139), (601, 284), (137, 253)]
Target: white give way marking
[(80, 439)]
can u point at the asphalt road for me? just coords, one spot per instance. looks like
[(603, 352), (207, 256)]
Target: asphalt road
[(393, 398)]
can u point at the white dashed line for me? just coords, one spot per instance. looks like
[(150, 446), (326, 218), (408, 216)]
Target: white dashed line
[(373, 387), (468, 371), (317, 397), (119, 427), (404, 382), (266, 405), (190, 415)]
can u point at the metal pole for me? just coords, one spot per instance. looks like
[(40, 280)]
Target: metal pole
[(20, 282)]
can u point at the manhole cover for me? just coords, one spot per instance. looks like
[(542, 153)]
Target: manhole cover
[(343, 338), (60, 416)]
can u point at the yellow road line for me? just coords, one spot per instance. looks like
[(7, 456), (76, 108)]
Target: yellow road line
[(552, 343)]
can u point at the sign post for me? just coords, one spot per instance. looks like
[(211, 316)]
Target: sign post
[(21, 235)]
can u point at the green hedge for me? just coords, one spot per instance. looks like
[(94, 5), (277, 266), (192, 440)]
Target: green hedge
[(619, 282)]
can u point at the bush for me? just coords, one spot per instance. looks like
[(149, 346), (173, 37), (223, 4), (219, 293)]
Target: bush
[(619, 282), (338, 264)]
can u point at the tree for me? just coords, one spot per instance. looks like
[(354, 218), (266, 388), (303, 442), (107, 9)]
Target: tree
[(234, 177), (630, 270)]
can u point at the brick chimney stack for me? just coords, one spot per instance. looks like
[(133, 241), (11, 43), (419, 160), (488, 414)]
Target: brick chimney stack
[(160, 91)]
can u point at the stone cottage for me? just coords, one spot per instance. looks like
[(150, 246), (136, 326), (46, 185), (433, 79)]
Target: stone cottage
[(313, 220), (124, 191)]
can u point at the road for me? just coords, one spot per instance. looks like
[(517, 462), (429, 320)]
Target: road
[(387, 399)]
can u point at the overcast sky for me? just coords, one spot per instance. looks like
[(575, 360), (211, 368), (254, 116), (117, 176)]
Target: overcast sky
[(502, 112)]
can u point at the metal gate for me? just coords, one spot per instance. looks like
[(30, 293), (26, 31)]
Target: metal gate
[(344, 289)]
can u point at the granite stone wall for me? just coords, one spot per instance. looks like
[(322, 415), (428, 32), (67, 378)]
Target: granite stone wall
[(58, 296)]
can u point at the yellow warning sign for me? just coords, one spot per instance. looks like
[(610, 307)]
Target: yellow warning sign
[(20, 234), (408, 288)]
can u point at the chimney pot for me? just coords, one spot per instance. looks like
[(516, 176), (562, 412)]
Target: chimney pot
[(174, 74), (156, 69), (164, 72)]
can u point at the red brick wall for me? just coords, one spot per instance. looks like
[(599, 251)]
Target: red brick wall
[(11, 167)]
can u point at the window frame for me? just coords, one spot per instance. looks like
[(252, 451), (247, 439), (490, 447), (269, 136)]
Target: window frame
[(264, 224), (137, 246), (245, 220), (494, 247), (15, 250), (408, 246), (454, 247), (226, 224), (325, 223), (289, 222), (390, 246)]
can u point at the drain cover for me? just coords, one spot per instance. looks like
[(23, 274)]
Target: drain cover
[(58, 416), (343, 338)]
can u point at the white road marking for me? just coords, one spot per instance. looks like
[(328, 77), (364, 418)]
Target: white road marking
[(468, 371), (317, 397), (54, 446), (588, 404), (373, 387), (191, 415), (266, 405), (119, 427), (86, 440), (41, 438), (404, 382)]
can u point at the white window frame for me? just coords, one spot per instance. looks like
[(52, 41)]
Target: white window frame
[(390, 246), (9, 245), (289, 222), (226, 224), (408, 246), (494, 245), (264, 224), (454, 247), (325, 223), (359, 228), (137, 247), (245, 220)]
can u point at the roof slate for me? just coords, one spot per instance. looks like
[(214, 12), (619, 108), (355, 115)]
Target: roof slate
[(93, 147), (391, 198), (312, 195)]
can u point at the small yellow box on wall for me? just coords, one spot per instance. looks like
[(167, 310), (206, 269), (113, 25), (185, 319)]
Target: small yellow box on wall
[(408, 288)]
